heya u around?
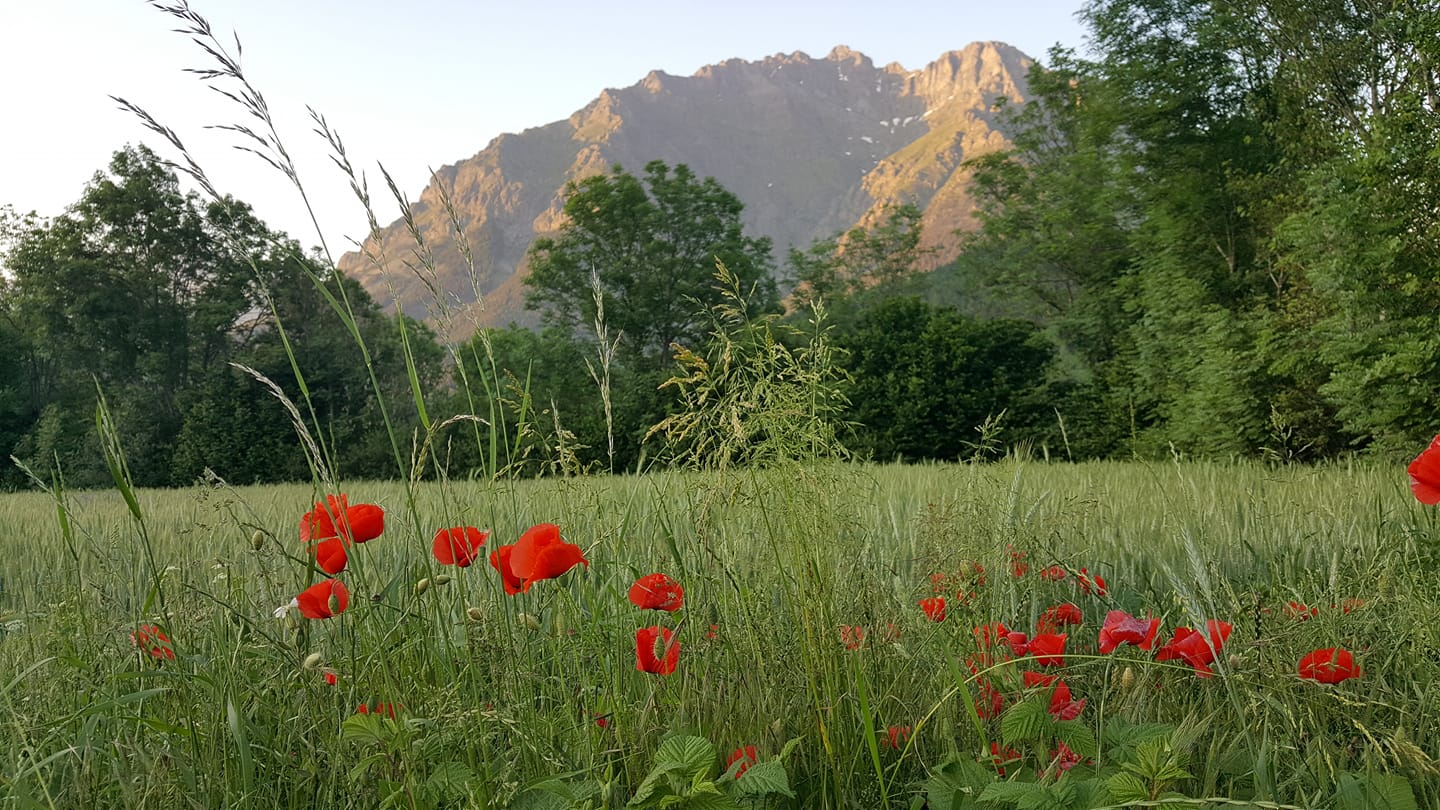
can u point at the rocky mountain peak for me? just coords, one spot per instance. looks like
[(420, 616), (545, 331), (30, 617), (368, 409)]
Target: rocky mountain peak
[(811, 146)]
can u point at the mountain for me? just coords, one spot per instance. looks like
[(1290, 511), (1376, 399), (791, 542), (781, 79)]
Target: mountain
[(811, 146)]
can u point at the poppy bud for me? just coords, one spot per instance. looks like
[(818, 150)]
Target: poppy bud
[(312, 660), (333, 603), (1127, 678), (776, 728), (443, 579), (257, 540), (1234, 661), (475, 614), (527, 621), (422, 586)]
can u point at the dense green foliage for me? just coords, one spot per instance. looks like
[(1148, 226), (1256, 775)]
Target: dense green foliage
[(152, 296), (1227, 215), (645, 252)]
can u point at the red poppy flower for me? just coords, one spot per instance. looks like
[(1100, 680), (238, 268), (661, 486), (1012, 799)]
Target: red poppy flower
[(1003, 758), (153, 641), (1347, 605), (602, 720), (939, 582), (1018, 566), (1064, 758), (1062, 707), (1425, 474), (1054, 573), (459, 546), (852, 637), (1196, 648), (331, 677), (330, 555), (1057, 616), (656, 650), (990, 702), (657, 592), (713, 632), (324, 599), (987, 635), (892, 632), (1300, 612), (898, 735), (1087, 583), (1035, 679), (382, 709), (500, 561), (934, 608), (746, 756), (1019, 643), (337, 518), (1122, 628), (1330, 665), (540, 553), (1048, 649)]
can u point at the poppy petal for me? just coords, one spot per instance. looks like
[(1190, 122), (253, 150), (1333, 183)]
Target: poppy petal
[(330, 556), (500, 561), (366, 521), (1425, 474)]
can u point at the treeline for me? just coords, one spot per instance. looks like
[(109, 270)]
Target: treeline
[(1218, 237), (189, 317)]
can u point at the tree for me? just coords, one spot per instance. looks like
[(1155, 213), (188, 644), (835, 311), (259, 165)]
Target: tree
[(151, 294), (646, 251), (861, 258), (925, 378)]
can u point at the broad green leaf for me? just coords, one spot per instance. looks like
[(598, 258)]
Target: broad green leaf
[(1026, 720), (762, 778), (689, 756)]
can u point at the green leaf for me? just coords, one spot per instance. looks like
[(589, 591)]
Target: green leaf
[(764, 778), (236, 725), (688, 756), (956, 784), (1078, 736), (1374, 791), (1028, 721), (366, 729), (654, 786), (1019, 794), (1127, 787)]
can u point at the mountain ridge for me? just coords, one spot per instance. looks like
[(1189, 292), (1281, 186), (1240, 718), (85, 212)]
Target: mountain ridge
[(812, 147)]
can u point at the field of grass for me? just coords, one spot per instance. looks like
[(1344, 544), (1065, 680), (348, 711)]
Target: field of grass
[(534, 700)]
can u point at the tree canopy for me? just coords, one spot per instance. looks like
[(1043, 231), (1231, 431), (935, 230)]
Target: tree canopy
[(645, 249)]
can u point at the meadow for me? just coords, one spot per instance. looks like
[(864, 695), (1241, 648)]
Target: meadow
[(144, 665)]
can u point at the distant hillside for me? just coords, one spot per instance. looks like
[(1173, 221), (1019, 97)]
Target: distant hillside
[(811, 146)]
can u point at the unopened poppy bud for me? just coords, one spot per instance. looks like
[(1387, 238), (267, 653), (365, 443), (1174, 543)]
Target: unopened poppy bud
[(475, 614), (1127, 678), (443, 579), (257, 540), (776, 727), (422, 586), (333, 603), (527, 621), (1234, 661), (313, 660)]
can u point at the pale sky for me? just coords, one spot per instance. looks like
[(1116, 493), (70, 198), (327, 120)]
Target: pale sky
[(410, 85)]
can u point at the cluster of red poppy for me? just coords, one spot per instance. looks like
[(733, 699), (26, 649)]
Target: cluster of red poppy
[(152, 641), (328, 531), (656, 650)]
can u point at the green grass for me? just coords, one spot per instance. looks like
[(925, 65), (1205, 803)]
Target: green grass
[(778, 560)]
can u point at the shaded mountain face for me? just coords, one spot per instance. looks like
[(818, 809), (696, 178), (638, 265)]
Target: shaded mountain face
[(812, 147)]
